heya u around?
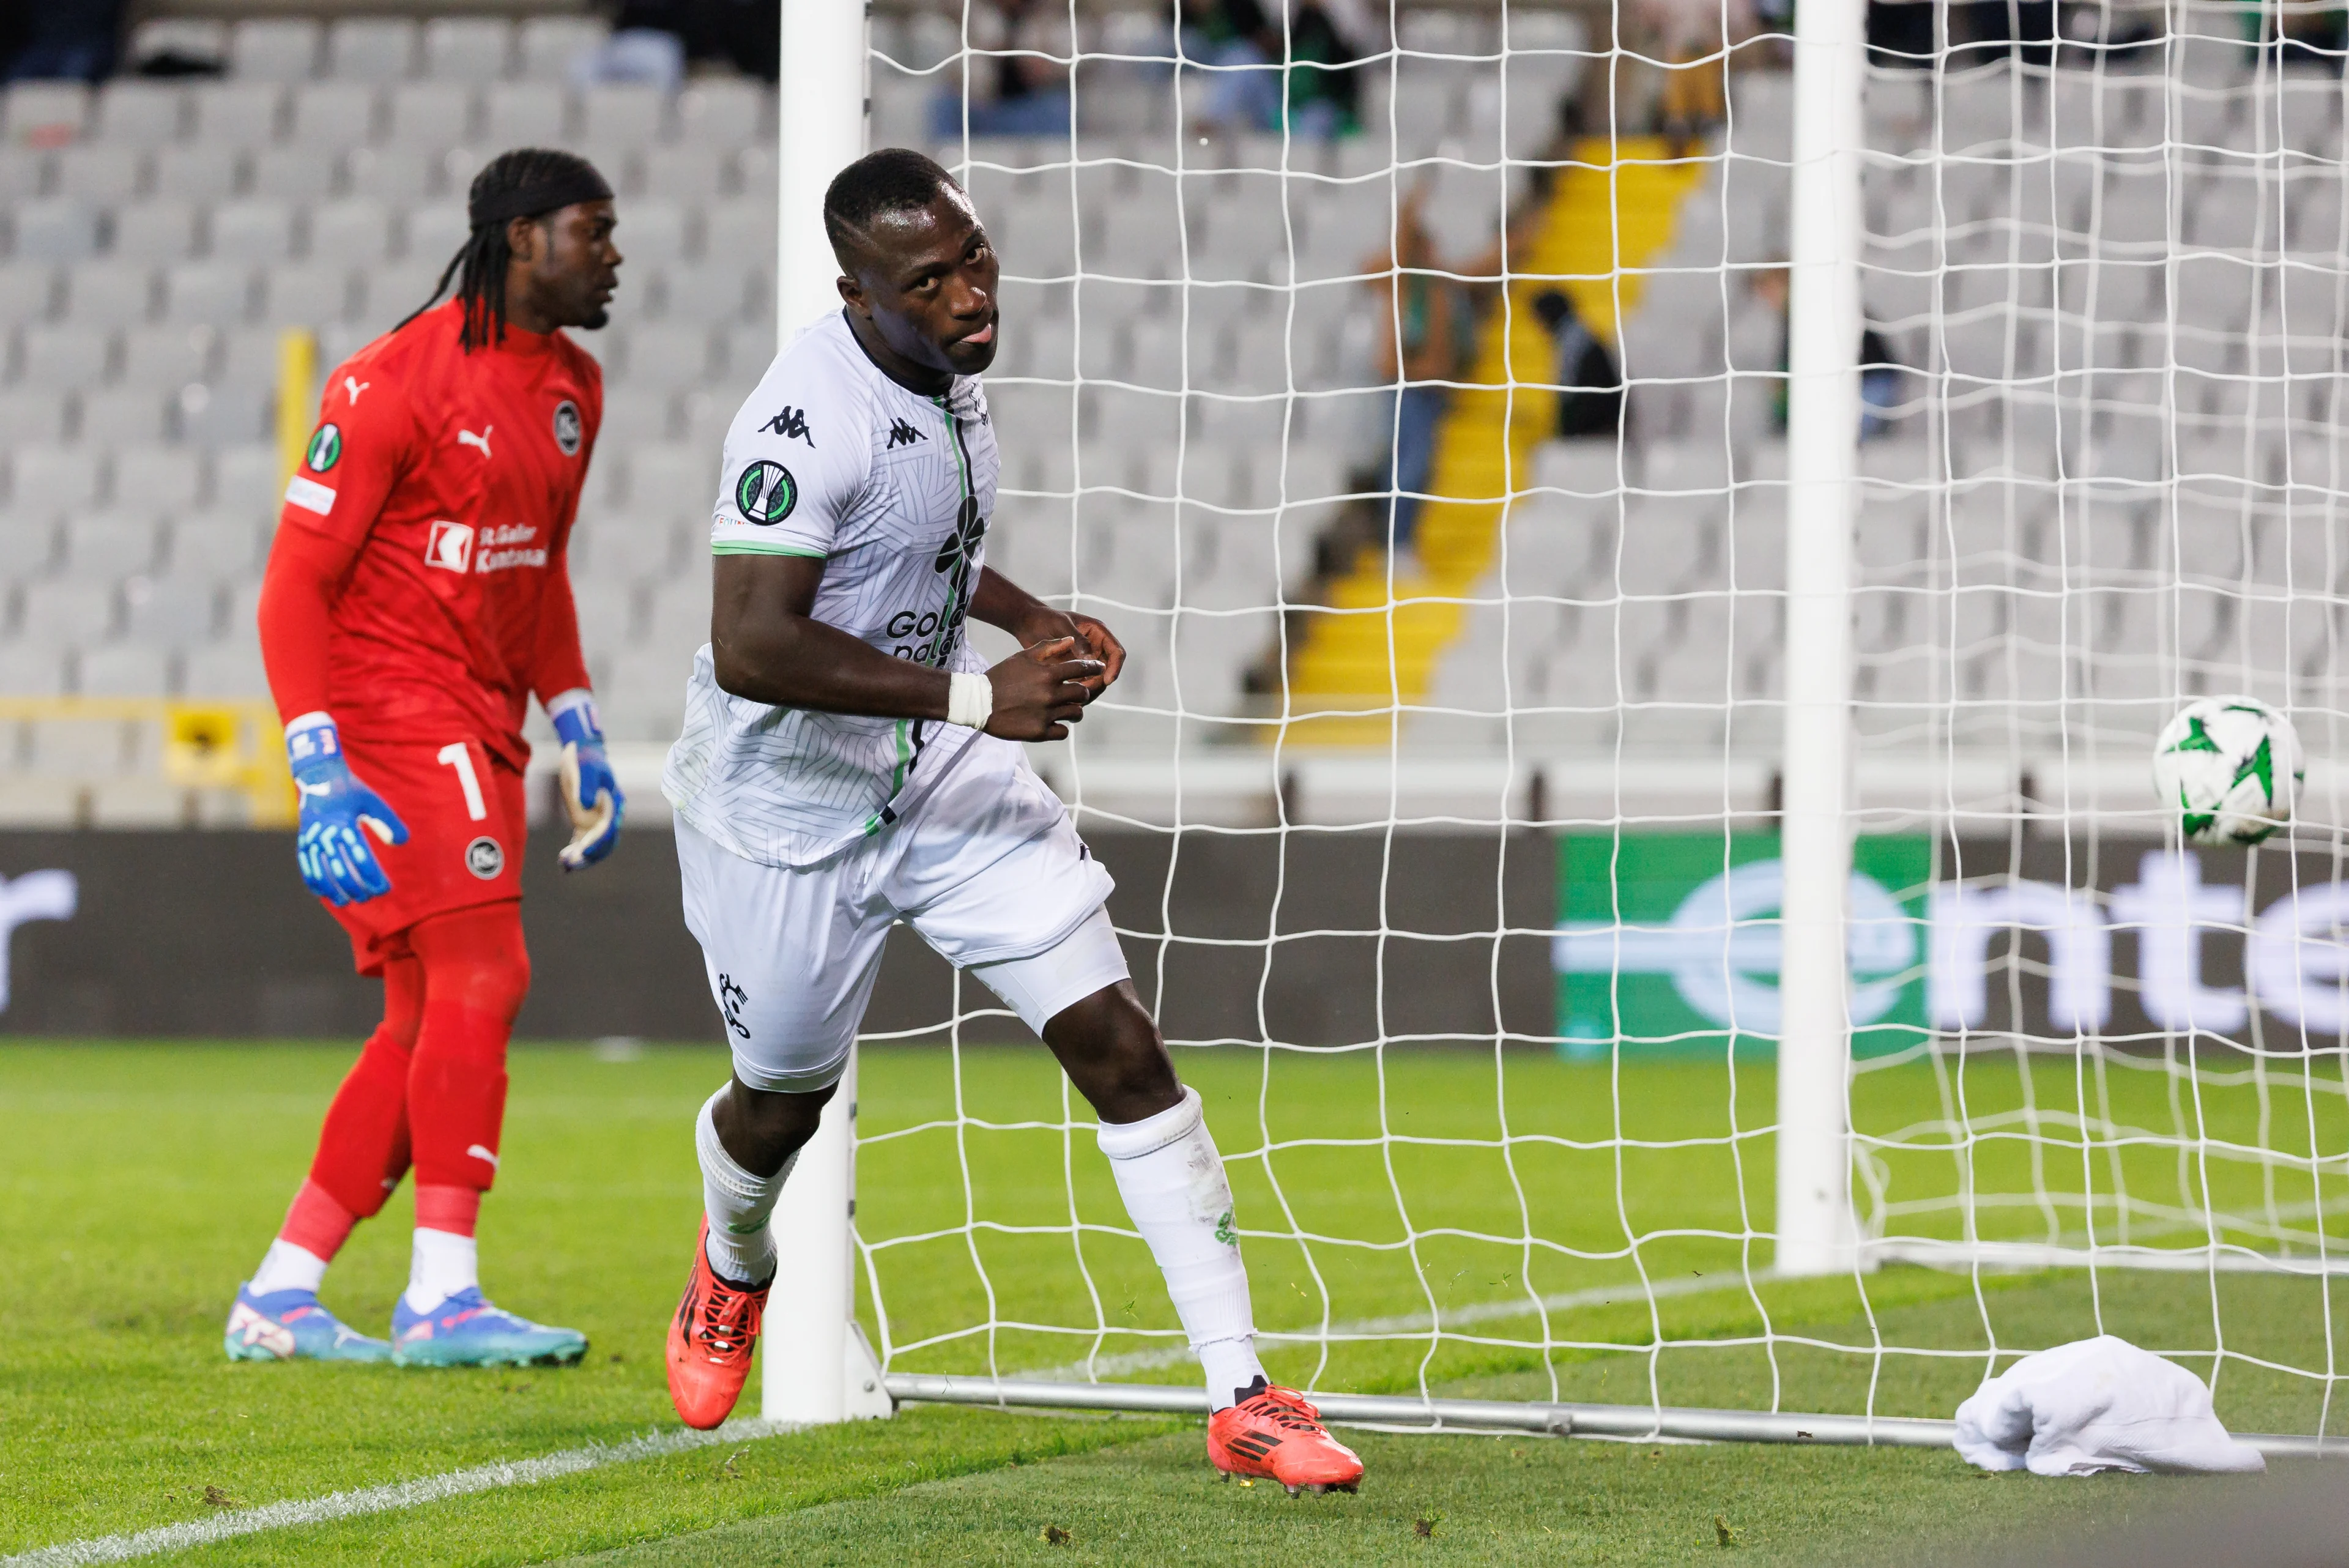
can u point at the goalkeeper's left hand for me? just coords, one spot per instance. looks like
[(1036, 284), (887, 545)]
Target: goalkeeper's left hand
[(590, 794)]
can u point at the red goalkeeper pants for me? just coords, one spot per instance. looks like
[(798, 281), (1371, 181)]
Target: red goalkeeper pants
[(429, 1089)]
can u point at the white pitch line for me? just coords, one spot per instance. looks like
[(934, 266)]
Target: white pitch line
[(571, 1461), (386, 1499)]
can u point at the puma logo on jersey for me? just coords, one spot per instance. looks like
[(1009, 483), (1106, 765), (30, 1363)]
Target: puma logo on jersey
[(789, 423), (902, 434), (467, 438), (478, 1152), (353, 386)]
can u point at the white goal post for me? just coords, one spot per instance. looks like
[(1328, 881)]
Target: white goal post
[(1831, 750)]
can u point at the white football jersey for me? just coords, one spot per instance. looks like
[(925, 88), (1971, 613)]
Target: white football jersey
[(892, 490)]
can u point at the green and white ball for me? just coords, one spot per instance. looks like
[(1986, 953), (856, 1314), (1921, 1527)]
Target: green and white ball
[(2232, 768)]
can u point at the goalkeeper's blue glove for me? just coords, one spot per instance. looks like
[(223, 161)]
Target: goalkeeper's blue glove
[(590, 794), (337, 863)]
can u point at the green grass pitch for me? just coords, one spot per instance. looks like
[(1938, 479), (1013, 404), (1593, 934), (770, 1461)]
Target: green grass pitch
[(138, 1183)]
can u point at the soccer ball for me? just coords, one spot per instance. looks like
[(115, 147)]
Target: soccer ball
[(2232, 767)]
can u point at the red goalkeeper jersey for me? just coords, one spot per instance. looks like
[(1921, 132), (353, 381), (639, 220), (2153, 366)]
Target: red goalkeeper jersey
[(452, 478)]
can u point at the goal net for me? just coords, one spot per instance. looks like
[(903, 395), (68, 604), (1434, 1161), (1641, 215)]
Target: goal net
[(1408, 389)]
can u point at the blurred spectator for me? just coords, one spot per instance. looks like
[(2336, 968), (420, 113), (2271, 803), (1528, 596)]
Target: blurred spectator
[(1879, 369), (1263, 77), (1426, 336), (1016, 75), (743, 34), (42, 40), (1590, 390)]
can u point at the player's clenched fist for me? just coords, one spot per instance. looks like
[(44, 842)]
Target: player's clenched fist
[(1040, 691)]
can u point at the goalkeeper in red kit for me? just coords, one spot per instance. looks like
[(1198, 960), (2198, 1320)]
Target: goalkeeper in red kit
[(417, 599)]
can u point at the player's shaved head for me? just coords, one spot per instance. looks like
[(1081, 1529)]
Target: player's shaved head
[(918, 273)]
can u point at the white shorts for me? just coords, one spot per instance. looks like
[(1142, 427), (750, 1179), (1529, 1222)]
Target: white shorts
[(982, 861)]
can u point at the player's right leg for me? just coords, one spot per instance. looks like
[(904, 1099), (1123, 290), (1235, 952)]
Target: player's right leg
[(362, 1154), (791, 957)]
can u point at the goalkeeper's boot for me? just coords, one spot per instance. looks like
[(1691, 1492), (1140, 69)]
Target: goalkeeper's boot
[(1275, 1434), (467, 1331), (710, 1340), (290, 1326)]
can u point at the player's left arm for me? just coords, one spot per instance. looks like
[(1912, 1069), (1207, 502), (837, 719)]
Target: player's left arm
[(1000, 602), (591, 793)]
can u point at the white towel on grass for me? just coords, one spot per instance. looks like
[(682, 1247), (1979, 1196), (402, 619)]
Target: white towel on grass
[(2097, 1404)]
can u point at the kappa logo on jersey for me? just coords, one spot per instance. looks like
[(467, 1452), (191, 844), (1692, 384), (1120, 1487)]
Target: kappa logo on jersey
[(325, 449), (567, 428), (450, 547), (484, 858), (467, 438), (766, 493), (789, 423), (902, 434)]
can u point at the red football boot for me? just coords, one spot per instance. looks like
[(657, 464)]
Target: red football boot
[(1276, 1433), (710, 1342)]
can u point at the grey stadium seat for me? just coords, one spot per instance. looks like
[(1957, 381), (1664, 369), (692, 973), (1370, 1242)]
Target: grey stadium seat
[(237, 114), (371, 48), (154, 232), (198, 171), (174, 610), (165, 480), (24, 170), (530, 113), (430, 115), (108, 545), (356, 231), (27, 292), (67, 614), (168, 357), (467, 48), (207, 294), (333, 114), (254, 230), (28, 547), (44, 481), (229, 667), (31, 416), (545, 47), (395, 173), (123, 670), (132, 112), (67, 358), (295, 172), (215, 545), (101, 171), (53, 229), (277, 49), (118, 416), (308, 294), (623, 114)]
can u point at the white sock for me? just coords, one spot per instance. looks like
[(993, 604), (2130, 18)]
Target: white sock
[(286, 1267), (440, 1265), (1172, 1179), (742, 1248)]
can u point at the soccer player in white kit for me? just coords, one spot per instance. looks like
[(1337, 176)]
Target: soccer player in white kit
[(849, 760)]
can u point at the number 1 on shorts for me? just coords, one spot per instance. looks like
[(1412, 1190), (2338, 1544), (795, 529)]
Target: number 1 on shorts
[(455, 755)]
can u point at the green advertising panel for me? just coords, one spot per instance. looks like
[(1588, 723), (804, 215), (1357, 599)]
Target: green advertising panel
[(1670, 942)]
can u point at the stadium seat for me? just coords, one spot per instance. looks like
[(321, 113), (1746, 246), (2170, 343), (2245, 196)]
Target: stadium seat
[(251, 231), (163, 480), (44, 113), (215, 546), (28, 548), (124, 670), (124, 414), (46, 480), (467, 48), (353, 233), (371, 48), (67, 358), (525, 113), (547, 47), (113, 543), (53, 229), (67, 614), (395, 174), (306, 293), (435, 232), (29, 416), (168, 357), (225, 415), (173, 611), (198, 171), (274, 49), (229, 667), (295, 172), (718, 113), (27, 670), (207, 294)]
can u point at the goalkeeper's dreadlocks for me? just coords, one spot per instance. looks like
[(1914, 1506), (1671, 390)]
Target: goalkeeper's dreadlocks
[(527, 183)]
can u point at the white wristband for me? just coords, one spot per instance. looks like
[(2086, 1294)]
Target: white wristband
[(970, 699)]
